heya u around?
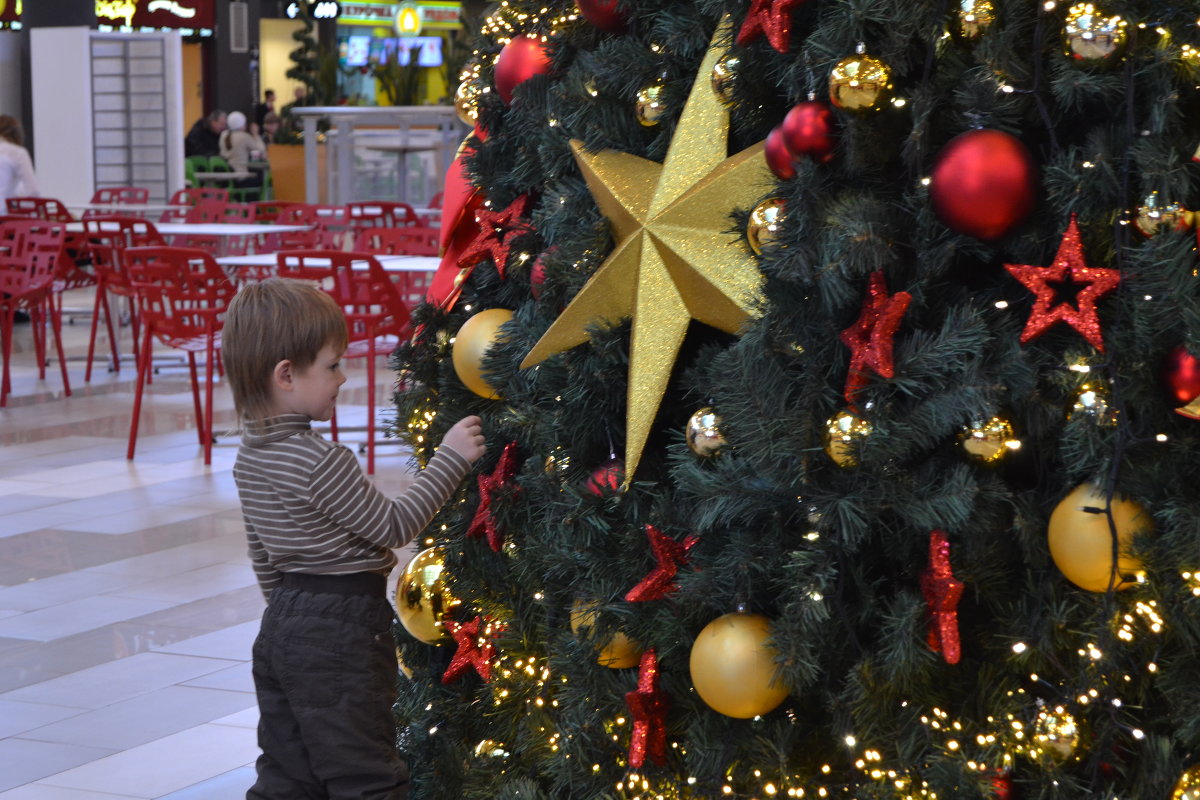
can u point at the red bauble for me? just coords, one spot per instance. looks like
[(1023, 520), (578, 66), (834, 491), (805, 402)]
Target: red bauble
[(604, 14), (1181, 378), (808, 131), (983, 183), (778, 157), (520, 60), (607, 477)]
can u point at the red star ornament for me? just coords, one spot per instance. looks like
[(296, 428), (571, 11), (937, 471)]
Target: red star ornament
[(648, 704), (474, 651), (496, 231), (772, 18), (870, 338), (501, 479), (1068, 263), (670, 555), (942, 592)]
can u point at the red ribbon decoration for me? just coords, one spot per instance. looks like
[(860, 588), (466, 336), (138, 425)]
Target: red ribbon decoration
[(942, 592), (648, 704), (671, 555), (501, 479), (470, 654), (870, 337)]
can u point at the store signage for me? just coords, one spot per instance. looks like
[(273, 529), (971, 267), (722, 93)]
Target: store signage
[(364, 12), (156, 13), (415, 16), (10, 11), (317, 9)]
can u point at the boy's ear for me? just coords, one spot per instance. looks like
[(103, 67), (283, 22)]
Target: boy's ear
[(282, 374)]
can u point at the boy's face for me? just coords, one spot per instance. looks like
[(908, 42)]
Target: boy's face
[(315, 389)]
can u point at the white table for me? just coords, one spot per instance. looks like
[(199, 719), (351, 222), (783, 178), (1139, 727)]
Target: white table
[(140, 209), (389, 263), (210, 228)]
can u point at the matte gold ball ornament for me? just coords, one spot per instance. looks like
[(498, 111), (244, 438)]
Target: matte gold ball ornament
[(1092, 37), (1188, 785), (466, 100), (763, 225), (972, 19), (1055, 737), (724, 77), (423, 598), (704, 437), (471, 344), (844, 431), (1081, 541), (619, 652), (733, 667), (860, 83), (988, 441), (651, 104)]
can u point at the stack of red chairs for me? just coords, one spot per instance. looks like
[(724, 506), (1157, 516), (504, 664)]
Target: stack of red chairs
[(381, 214), (117, 195), (29, 253)]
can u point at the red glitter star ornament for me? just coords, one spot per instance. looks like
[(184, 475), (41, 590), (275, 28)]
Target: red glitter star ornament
[(671, 555), (870, 338), (772, 18), (1068, 265), (474, 651), (942, 592), (648, 704), (496, 231), (501, 480)]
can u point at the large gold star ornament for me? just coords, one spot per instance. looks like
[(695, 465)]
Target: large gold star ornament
[(674, 260)]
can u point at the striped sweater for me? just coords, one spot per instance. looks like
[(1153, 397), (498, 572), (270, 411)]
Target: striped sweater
[(309, 508)]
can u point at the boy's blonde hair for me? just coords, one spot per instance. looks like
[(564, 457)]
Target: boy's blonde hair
[(272, 321)]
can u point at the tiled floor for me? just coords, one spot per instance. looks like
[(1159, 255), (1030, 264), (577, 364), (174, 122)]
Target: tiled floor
[(127, 603)]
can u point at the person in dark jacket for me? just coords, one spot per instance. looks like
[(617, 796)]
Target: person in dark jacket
[(204, 139)]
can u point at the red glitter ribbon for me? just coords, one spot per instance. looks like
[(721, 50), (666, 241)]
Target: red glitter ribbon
[(648, 704), (484, 521), (870, 337), (670, 555), (942, 592), (1068, 263)]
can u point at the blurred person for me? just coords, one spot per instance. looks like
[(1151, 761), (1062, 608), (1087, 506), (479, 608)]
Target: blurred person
[(16, 167), (270, 127), (204, 139), (267, 106), (240, 147)]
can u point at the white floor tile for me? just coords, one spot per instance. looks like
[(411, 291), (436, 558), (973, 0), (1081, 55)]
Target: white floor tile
[(17, 718), (38, 791), (48, 624), (195, 584), (23, 761), (229, 643), (59, 589), (233, 679)]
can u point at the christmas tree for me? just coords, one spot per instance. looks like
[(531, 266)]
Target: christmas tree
[(836, 363)]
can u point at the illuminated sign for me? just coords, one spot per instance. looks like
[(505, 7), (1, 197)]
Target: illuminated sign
[(10, 11), (317, 9), (415, 16), (156, 13)]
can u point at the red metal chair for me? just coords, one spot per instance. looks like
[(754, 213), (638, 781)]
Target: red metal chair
[(381, 214), (46, 208), (435, 201), (376, 315), (182, 295), (107, 239), (121, 195), (414, 241), (190, 197), (268, 210), (29, 253)]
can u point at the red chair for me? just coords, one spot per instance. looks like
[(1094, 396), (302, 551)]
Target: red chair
[(415, 241), (381, 214), (268, 210), (435, 201), (29, 253), (190, 197), (107, 239), (376, 315), (46, 208), (122, 195), (182, 295)]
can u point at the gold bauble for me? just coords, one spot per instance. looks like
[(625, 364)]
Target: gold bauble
[(1188, 785), (860, 83), (619, 652), (1055, 737), (650, 104), (763, 225), (733, 668), (843, 431), (471, 343), (466, 100), (488, 748), (1091, 37), (1093, 402), (558, 462), (704, 437), (1081, 542), (423, 599), (724, 77), (973, 18), (988, 441), (404, 668), (1155, 215)]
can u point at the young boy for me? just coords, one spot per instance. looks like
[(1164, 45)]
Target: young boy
[(320, 538)]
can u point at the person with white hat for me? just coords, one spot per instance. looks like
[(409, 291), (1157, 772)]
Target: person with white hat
[(239, 147)]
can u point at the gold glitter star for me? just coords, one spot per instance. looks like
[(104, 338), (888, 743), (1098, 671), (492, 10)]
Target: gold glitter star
[(674, 260)]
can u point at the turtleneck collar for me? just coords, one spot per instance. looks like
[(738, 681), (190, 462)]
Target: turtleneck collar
[(274, 429)]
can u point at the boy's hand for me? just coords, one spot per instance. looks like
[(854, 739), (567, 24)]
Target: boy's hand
[(466, 438)]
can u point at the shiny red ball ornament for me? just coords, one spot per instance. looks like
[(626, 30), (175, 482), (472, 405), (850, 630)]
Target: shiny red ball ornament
[(779, 158), (520, 60), (604, 14), (606, 478), (808, 131), (983, 184), (1181, 378)]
